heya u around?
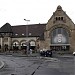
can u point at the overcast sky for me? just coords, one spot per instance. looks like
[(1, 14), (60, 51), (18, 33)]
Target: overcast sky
[(37, 11)]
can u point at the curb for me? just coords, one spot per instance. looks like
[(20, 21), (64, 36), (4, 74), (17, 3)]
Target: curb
[(24, 55), (50, 58), (29, 55), (2, 64)]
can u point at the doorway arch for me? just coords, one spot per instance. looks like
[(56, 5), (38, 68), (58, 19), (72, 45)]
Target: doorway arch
[(60, 39)]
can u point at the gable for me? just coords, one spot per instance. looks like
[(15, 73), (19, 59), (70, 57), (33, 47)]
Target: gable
[(60, 17)]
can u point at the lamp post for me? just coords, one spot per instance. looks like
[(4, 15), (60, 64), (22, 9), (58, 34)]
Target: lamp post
[(26, 27), (27, 34)]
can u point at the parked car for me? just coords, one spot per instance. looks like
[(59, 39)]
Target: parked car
[(47, 53), (74, 53)]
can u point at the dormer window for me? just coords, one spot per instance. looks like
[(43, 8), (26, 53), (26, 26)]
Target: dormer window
[(16, 34), (29, 33), (23, 34)]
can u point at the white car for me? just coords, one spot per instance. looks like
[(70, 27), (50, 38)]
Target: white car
[(74, 53)]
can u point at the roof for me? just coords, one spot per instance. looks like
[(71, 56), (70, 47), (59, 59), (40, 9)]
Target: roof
[(6, 28), (28, 30), (33, 30)]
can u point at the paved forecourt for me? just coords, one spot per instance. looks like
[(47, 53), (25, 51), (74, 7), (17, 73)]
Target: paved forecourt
[(1, 64)]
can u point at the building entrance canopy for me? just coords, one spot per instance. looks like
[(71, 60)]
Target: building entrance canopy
[(60, 45), (57, 47)]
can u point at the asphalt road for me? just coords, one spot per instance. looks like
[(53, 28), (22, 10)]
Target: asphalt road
[(37, 66)]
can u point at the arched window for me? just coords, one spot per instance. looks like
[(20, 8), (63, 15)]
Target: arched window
[(61, 18), (23, 45), (15, 45), (59, 36)]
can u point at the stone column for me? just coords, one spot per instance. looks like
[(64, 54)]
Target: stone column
[(1, 43), (9, 42)]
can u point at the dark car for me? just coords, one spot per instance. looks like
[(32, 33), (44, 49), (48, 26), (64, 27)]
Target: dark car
[(47, 53)]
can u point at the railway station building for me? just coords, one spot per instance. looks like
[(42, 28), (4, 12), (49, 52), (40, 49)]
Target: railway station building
[(57, 34)]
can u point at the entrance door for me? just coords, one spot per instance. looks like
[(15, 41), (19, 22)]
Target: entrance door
[(32, 46), (59, 39)]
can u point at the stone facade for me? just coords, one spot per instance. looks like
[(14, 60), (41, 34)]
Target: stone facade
[(59, 19), (16, 38), (57, 34)]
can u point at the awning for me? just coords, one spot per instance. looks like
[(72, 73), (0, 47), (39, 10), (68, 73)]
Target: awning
[(59, 44)]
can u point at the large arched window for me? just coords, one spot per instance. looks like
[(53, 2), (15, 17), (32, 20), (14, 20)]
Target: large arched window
[(23, 44), (15, 45), (59, 36)]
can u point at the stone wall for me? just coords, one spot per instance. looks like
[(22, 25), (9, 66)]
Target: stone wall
[(59, 19)]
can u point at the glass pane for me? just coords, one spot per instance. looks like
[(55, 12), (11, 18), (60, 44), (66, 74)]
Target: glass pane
[(59, 36), (59, 30)]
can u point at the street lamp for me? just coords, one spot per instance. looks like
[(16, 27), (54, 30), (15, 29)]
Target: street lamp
[(27, 34), (26, 20), (26, 27)]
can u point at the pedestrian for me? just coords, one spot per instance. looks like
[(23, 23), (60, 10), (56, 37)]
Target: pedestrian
[(30, 51)]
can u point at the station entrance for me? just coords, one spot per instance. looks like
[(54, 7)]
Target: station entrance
[(60, 47), (60, 39)]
